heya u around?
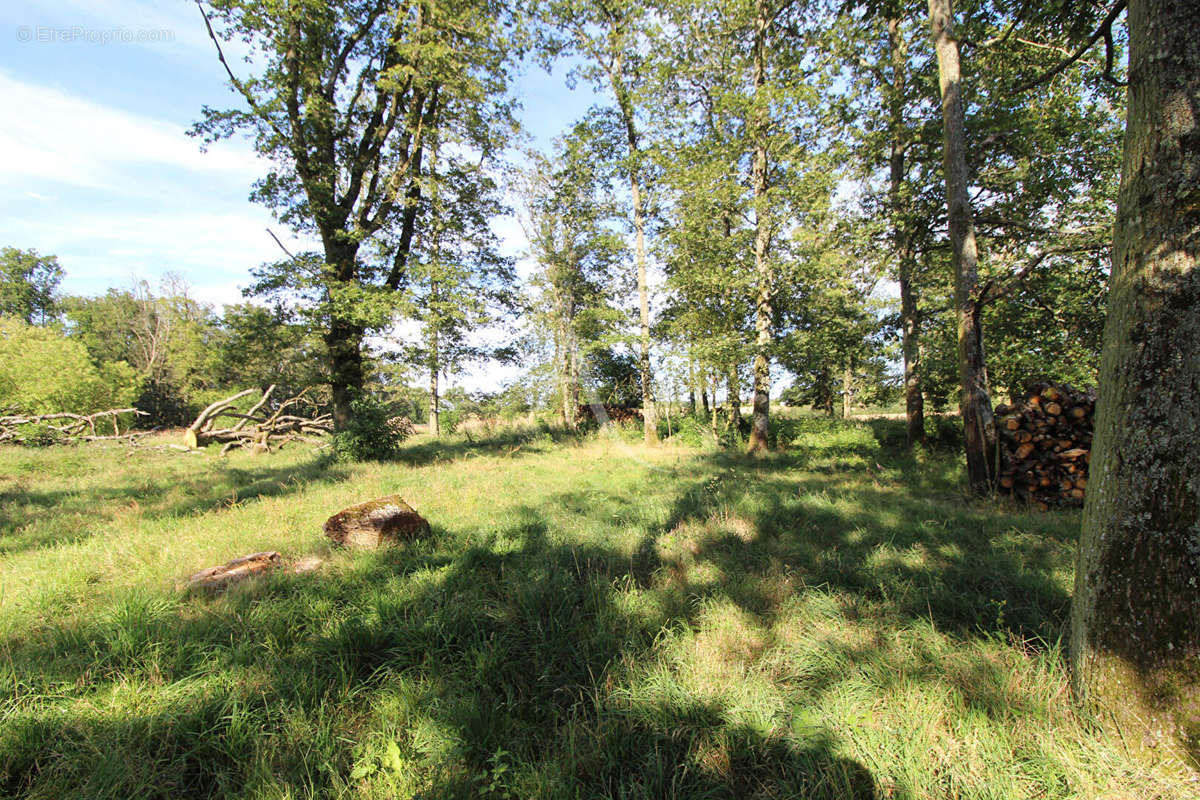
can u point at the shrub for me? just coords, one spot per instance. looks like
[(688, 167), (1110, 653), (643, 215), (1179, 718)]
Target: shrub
[(689, 431), (43, 372), (369, 436)]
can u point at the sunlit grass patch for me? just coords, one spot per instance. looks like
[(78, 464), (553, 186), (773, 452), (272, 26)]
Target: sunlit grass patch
[(587, 618)]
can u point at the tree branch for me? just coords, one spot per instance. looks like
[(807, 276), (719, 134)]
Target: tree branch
[(1104, 30)]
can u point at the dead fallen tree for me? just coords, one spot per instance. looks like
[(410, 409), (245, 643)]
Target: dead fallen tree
[(257, 429), (65, 427)]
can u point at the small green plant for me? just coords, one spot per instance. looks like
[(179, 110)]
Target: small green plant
[(368, 436), (690, 431)]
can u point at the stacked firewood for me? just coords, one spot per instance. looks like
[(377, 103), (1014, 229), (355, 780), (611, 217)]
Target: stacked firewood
[(1045, 444)]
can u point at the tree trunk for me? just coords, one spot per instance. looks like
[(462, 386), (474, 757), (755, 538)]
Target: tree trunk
[(712, 418), (343, 340), (573, 378), (847, 391), (979, 425), (692, 387), (649, 419), (735, 399), (562, 363), (1135, 615), (914, 401), (435, 400), (625, 104), (763, 312), (435, 423)]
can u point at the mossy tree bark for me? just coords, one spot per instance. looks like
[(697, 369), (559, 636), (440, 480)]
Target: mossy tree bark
[(979, 424), (1135, 615)]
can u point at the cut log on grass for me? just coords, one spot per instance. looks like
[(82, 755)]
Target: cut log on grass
[(1045, 445), (255, 429), (216, 579)]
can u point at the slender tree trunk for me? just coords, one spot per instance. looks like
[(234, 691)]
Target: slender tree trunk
[(704, 398), (573, 378), (649, 418), (435, 423), (343, 339), (847, 391), (763, 311), (914, 401), (562, 363), (712, 419), (625, 104), (692, 387), (979, 425), (1135, 615), (735, 398)]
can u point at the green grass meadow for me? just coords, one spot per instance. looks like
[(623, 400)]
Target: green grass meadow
[(588, 618)]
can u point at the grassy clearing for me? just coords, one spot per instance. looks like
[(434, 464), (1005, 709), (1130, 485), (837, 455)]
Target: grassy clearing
[(588, 619)]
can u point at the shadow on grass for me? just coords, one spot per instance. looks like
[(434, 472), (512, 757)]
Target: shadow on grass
[(499, 671), (35, 519), (504, 661), (511, 443)]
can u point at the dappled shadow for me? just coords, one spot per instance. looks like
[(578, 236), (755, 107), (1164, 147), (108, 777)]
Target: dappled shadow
[(509, 658), (968, 572), (502, 669), (511, 443)]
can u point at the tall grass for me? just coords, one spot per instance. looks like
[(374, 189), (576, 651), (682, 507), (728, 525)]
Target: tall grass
[(587, 619)]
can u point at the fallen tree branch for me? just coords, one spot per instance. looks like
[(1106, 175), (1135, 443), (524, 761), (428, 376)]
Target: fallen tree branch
[(252, 430), (65, 426)]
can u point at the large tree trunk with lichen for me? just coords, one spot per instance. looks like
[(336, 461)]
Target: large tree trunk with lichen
[(1135, 616), (979, 425)]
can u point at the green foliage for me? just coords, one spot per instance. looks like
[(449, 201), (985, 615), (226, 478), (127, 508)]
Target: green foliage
[(170, 341), (261, 346), (367, 437), (42, 371), (29, 285), (689, 430)]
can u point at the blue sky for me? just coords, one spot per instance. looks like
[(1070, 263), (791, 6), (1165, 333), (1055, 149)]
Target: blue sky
[(95, 165)]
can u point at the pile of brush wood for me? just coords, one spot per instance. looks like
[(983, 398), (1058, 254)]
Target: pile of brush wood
[(1045, 444), (65, 427), (261, 427)]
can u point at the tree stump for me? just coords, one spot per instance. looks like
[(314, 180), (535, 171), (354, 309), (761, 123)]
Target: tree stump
[(384, 520)]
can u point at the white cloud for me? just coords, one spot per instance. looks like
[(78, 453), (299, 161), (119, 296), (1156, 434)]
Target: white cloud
[(65, 138)]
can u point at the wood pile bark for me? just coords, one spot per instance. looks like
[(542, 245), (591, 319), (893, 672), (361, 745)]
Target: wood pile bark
[(1046, 443), (256, 428)]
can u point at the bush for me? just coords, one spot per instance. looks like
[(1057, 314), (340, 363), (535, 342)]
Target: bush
[(689, 431), (43, 372), (944, 430), (369, 436)]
